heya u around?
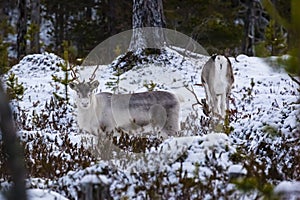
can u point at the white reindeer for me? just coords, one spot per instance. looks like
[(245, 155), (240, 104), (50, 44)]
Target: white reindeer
[(217, 78), (105, 112)]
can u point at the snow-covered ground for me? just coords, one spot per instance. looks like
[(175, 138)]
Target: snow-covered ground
[(263, 101)]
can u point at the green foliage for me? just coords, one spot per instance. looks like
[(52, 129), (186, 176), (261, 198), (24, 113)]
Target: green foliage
[(261, 49), (150, 86), (86, 23), (211, 23), (265, 166), (40, 161), (275, 41), (248, 92), (293, 62), (3, 57), (15, 90), (227, 127), (66, 68), (272, 131), (114, 82), (292, 25), (31, 31)]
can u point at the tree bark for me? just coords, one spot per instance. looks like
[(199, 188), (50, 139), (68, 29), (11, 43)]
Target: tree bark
[(22, 29), (35, 26), (147, 13)]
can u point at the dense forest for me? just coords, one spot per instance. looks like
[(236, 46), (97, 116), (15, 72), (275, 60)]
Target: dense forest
[(234, 26)]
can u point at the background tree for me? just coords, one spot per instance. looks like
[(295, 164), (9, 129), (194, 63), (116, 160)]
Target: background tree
[(275, 41), (34, 29), (292, 24), (238, 25), (86, 23), (147, 13), (214, 24), (22, 29)]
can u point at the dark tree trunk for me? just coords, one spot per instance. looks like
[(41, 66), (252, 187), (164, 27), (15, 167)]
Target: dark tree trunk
[(12, 149), (3, 17), (35, 25), (147, 13), (59, 27), (22, 29), (249, 30), (256, 21), (112, 17)]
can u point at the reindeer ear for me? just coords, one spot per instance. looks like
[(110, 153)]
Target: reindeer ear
[(73, 85), (213, 57), (94, 84)]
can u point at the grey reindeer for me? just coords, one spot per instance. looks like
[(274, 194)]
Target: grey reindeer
[(217, 79), (105, 112)]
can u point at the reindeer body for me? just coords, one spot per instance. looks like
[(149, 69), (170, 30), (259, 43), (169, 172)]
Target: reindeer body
[(158, 110), (217, 79)]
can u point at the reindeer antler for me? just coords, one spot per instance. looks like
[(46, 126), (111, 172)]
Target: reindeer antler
[(74, 73), (93, 76), (193, 92), (201, 102)]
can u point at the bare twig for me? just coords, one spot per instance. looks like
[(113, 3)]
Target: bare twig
[(295, 80), (199, 84)]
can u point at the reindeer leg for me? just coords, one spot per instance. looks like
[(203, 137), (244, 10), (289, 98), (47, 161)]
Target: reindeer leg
[(208, 97), (218, 104), (223, 104)]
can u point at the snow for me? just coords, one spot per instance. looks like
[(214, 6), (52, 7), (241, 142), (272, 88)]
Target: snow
[(288, 189), (41, 194), (37, 194), (268, 103), (92, 178), (237, 169)]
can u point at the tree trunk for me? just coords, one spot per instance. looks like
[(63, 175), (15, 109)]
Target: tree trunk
[(111, 17), (249, 38), (12, 149), (59, 30), (35, 26), (22, 29), (3, 17), (147, 13)]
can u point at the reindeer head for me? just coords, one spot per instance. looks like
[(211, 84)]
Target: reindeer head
[(221, 62), (84, 90)]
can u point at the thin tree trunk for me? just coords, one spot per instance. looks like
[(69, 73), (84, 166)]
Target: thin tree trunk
[(3, 17), (22, 29), (147, 13), (251, 35), (35, 25), (59, 27), (12, 149), (112, 17)]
